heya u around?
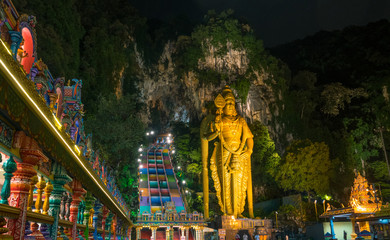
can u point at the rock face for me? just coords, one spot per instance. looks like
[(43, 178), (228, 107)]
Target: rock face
[(185, 97)]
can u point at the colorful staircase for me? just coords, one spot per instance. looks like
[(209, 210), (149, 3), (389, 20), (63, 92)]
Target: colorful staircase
[(158, 183)]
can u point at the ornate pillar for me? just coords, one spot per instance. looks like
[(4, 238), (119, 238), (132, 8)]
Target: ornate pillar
[(187, 232), (182, 229), (38, 203), (109, 221), (167, 233), (154, 229), (201, 233), (9, 167), (67, 207), (138, 233), (97, 208), (89, 202), (171, 233), (46, 204), (105, 213), (60, 178), (45, 209), (114, 224), (78, 191), (80, 215), (30, 200), (30, 154), (64, 198)]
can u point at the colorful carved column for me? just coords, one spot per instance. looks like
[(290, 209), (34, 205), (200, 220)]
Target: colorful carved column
[(38, 204), (48, 189), (89, 202), (167, 233), (60, 178), (105, 213), (45, 208), (80, 216), (16, 38), (67, 207), (171, 232), (97, 208), (30, 200), (78, 191), (182, 229), (9, 167), (138, 233), (154, 229), (114, 224), (187, 232), (62, 205), (109, 222), (40, 187), (30, 154)]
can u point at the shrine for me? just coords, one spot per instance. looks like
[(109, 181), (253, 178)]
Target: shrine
[(54, 186), (366, 211)]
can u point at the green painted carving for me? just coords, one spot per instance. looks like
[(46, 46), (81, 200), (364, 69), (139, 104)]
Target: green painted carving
[(108, 224), (9, 167), (60, 178), (89, 203)]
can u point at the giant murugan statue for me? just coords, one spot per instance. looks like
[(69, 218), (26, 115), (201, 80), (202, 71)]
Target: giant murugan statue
[(230, 163)]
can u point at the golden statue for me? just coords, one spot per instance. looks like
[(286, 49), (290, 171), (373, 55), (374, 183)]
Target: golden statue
[(230, 162)]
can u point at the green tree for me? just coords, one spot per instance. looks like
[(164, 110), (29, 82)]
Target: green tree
[(117, 133), (335, 96), (363, 142), (305, 168), (264, 160)]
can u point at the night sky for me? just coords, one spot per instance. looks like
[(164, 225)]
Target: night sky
[(276, 21)]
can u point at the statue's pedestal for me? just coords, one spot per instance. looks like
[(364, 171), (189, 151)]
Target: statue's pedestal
[(245, 226)]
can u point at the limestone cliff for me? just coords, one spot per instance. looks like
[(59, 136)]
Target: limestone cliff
[(183, 97)]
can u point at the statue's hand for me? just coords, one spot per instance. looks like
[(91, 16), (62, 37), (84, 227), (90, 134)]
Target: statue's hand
[(217, 123)]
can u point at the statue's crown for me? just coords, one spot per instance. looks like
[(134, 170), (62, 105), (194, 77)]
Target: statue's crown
[(227, 93)]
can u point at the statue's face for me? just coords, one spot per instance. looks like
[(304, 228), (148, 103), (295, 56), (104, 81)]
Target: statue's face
[(230, 108)]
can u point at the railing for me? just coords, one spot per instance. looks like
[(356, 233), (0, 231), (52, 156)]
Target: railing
[(47, 162)]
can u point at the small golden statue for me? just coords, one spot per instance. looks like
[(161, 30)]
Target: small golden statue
[(230, 162)]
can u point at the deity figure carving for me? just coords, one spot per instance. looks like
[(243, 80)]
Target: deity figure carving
[(230, 162)]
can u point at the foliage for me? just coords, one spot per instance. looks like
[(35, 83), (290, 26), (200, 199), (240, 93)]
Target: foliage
[(59, 32), (335, 95), (265, 159), (290, 216), (363, 143), (217, 37), (117, 133), (305, 167)]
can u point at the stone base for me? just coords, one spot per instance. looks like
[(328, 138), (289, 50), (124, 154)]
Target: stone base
[(246, 226)]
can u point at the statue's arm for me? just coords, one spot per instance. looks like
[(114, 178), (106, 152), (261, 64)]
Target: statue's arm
[(249, 145)]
